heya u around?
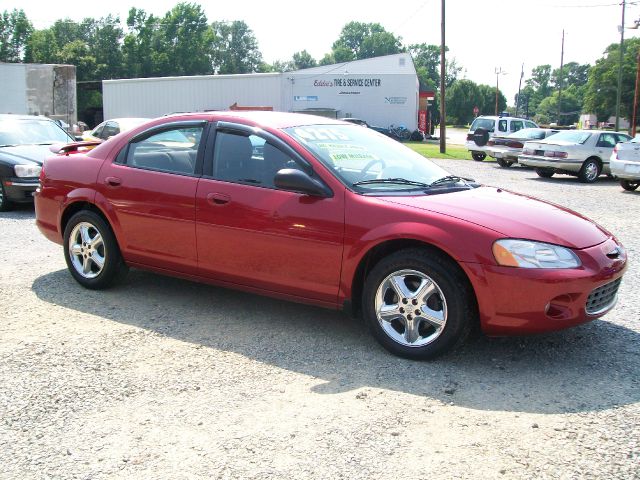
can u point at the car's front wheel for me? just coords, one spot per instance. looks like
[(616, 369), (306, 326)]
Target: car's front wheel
[(478, 157), (5, 203), (91, 251), (590, 170), (629, 185), (545, 172), (418, 304)]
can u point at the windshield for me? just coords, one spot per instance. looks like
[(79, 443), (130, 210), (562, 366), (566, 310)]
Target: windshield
[(364, 157), (571, 136), (31, 132)]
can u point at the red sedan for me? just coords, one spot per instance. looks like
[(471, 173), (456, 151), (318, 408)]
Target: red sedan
[(328, 213)]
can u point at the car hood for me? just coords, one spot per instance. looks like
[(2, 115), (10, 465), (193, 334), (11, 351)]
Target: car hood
[(21, 154), (512, 215)]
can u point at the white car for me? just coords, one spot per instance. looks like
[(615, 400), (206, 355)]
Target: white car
[(625, 164), (111, 128), (486, 127), (584, 153), (506, 148)]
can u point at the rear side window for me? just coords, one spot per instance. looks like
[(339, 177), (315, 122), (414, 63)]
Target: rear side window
[(248, 159), (172, 150), (516, 125), (502, 126), (530, 124), (486, 123), (607, 140)]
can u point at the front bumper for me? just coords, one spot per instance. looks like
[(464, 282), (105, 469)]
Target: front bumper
[(625, 169), (20, 190), (520, 301)]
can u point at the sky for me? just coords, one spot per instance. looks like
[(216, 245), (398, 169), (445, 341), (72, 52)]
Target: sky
[(482, 36)]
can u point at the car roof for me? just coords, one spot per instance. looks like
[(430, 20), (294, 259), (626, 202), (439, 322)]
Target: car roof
[(263, 118), (14, 116)]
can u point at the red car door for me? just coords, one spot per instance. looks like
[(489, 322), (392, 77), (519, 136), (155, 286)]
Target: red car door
[(251, 233), (150, 189)]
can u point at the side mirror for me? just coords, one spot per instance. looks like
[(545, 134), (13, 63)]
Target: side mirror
[(299, 181)]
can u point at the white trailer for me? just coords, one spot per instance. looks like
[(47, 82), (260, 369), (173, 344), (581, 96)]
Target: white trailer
[(380, 90)]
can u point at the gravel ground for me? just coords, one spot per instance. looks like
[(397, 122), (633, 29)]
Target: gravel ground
[(163, 378)]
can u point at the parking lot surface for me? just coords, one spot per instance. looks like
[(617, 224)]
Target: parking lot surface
[(164, 378)]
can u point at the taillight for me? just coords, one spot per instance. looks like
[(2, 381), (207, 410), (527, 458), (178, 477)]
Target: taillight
[(491, 143), (615, 151), (528, 151), (554, 154), (469, 136), (515, 144)]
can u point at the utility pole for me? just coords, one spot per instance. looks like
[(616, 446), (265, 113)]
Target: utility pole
[(635, 98), (443, 117), (624, 4), (499, 72), (519, 88), (560, 79)]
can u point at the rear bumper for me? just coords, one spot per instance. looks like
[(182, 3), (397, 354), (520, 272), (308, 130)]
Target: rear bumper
[(472, 147), (519, 301), (625, 170), (504, 153), (20, 190), (565, 164)]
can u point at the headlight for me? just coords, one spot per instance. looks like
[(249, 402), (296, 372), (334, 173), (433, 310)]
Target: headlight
[(27, 170), (528, 254)]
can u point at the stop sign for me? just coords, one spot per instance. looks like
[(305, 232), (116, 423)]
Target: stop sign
[(476, 111)]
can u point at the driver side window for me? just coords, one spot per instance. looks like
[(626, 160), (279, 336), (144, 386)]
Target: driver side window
[(249, 159)]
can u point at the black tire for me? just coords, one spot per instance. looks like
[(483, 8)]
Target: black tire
[(478, 157), (481, 136), (545, 172), (95, 277), (630, 185), (503, 163), (5, 203), (452, 298), (590, 170)]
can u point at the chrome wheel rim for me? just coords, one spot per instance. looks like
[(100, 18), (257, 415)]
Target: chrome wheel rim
[(411, 308), (591, 171), (86, 250)]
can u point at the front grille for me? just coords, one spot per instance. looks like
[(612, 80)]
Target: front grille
[(603, 297)]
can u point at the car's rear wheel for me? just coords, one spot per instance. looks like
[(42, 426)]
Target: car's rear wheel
[(5, 203), (590, 170), (545, 172), (630, 185), (503, 163), (418, 304), (91, 251), (478, 157)]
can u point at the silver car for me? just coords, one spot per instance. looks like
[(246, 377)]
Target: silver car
[(584, 153), (625, 163)]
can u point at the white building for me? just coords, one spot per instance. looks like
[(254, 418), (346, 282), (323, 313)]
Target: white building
[(39, 89), (381, 90)]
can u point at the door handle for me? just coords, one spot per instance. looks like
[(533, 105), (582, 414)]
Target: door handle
[(113, 181), (218, 199)]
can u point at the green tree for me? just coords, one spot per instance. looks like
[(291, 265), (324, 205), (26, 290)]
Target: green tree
[(186, 40), (42, 47), (487, 105), (364, 40), (601, 90), (302, 60), (571, 107), (427, 61), (235, 48), (461, 98), (15, 30), (140, 44)]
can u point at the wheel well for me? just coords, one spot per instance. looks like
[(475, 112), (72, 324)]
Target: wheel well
[(75, 208), (597, 159), (377, 253)]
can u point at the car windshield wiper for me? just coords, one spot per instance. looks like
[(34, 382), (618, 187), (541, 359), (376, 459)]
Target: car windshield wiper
[(450, 179), (397, 181)]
